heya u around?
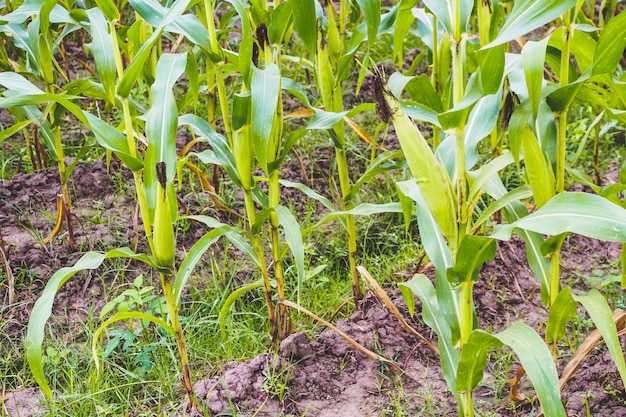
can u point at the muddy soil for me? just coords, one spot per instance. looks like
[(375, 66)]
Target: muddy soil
[(320, 375), (325, 376)]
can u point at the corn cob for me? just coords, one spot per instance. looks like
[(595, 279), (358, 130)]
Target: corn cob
[(163, 226)]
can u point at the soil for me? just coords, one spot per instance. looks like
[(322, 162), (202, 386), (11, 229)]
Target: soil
[(318, 376)]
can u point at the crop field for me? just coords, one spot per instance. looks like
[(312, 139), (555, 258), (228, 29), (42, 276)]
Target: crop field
[(312, 208)]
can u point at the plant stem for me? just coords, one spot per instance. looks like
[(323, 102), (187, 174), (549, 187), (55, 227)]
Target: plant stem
[(466, 304), (257, 245), (564, 81), (172, 309), (274, 195), (484, 21), (346, 187)]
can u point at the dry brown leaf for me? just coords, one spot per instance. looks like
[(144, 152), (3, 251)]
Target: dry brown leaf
[(514, 386), (59, 222), (391, 306), (592, 341), (357, 345)]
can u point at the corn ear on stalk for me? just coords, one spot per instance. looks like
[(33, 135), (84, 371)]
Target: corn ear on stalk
[(163, 226), (432, 178)]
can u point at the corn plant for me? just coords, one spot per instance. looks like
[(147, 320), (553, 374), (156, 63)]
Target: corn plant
[(153, 172), (38, 30), (467, 112)]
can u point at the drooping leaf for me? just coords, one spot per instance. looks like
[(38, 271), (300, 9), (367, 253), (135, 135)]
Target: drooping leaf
[(561, 312), (136, 66), (293, 237), (473, 252), (585, 214), (528, 15), (474, 359), (43, 306), (600, 312), (434, 317)]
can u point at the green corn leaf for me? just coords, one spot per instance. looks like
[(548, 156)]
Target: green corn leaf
[(546, 131), (561, 99), (533, 61), (434, 242), (364, 209), (438, 252), (474, 251), (383, 163), (195, 254), (528, 15), (585, 214), (491, 63), (517, 126), (109, 138), (265, 90), (136, 66), (102, 49), (610, 45), (371, 13), (582, 46), (25, 95), (517, 194), (125, 315), (444, 11), (534, 356), (20, 39), (516, 210), (293, 237), (538, 169), (421, 113), (563, 310), (419, 87), (162, 118), (600, 312), (245, 47), (480, 122), (456, 116), (109, 10), (309, 193), (305, 19), (281, 25), (480, 176), (324, 120), (230, 300), (218, 143), (43, 306), (30, 8), (538, 364), (434, 317), (403, 24), (188, 24), (474, 359), (10, 131)]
